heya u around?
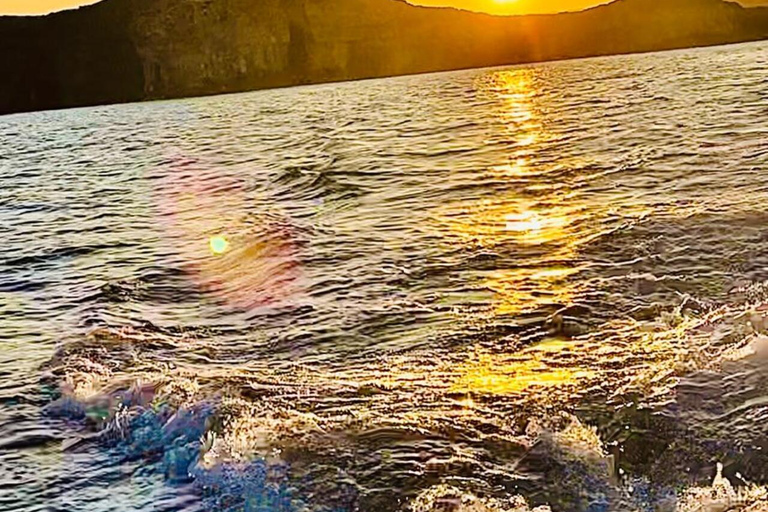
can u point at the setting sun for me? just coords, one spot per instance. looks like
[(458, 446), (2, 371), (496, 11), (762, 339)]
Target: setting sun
[(511, 7)]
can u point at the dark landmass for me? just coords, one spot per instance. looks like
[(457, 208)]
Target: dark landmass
[(133, 50)]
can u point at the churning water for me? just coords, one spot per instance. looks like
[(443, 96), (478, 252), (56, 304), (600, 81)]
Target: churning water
[(483, 290)]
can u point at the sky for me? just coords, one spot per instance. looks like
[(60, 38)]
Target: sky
[(38, 6), (492, 6)]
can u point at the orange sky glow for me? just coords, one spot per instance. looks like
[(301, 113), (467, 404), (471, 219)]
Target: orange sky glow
[(503, 7), (492, 6), (39, 6)]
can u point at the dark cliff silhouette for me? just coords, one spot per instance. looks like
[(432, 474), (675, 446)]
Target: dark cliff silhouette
[(133, 50)]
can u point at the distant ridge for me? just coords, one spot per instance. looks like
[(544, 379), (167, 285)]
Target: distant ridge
[(133, 50)]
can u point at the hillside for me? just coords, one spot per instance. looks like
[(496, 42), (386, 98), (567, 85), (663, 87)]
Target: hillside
[(132, 50)]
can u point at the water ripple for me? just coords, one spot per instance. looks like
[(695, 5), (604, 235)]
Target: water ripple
[(488, 290)]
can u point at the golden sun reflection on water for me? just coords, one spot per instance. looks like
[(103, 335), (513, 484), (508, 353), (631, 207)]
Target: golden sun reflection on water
[(544, 225), (514, 169), (495, 374), (622, 357), (540, 227), (522, 121), (546, 241), (539, 221), (524, 222), (519, 290)]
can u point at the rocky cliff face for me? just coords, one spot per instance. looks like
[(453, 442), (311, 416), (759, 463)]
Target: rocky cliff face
[(131, 50)]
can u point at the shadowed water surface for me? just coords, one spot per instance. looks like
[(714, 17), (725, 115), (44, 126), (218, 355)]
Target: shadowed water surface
[(462, 291)]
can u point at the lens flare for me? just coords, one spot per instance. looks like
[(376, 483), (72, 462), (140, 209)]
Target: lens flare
[(218, 244), (227, 247)]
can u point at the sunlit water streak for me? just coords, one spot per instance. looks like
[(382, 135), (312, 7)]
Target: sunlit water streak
[(475, 291)]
